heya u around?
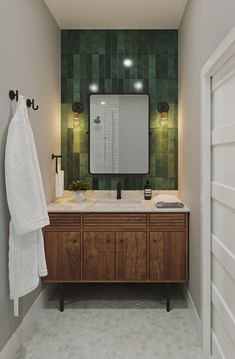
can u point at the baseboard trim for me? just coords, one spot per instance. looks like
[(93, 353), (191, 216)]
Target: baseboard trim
[(24, 330), (195, 317)]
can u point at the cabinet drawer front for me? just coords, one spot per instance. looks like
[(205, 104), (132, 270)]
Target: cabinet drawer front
[(112, 221), (167, 221), (64, 221)]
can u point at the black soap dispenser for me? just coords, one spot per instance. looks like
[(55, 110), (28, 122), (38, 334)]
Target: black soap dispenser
[(147, 191)]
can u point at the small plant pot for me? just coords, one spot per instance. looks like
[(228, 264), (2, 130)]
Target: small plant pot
[(79, 196)]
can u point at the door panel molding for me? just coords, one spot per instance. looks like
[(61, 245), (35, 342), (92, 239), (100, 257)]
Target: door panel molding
[(221, 56)]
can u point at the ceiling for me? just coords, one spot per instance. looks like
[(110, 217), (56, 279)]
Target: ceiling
[(117, 14)]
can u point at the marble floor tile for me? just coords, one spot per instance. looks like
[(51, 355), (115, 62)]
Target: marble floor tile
[(114, 322)]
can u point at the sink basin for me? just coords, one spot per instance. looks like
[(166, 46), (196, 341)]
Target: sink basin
[(120, 203)]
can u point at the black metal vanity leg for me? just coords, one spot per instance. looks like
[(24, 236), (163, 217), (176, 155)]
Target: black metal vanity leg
[(61, 297), (168, 297)]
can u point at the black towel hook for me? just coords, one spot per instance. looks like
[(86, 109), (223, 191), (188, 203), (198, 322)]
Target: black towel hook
[(30, 103), (14, 95)]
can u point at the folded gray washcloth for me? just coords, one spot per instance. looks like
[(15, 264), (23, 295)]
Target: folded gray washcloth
[(162, 204)]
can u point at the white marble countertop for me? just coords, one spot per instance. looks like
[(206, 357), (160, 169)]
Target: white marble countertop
[(105, 201)]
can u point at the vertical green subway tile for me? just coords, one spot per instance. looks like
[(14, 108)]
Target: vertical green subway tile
[(145, 66), (76, 140), (96, 56), (76, 66), (83, 67), (171, 165), (120, 67), (120, 42), (172, 90), (171, 114), (76, 166), (165, 164), (114, 66), (152, 67), (171, 140), (107, 66), (108, 42), (114, 42), (95, 65), (133, 42), (139, 66), (83, 141), (120, 86), (108, 85), (172, 65), (101, 66), (89, 66), (69, 90), (127, 42), (76, 90), (158, 164)]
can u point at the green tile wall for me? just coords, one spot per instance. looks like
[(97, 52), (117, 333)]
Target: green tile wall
[(96, 56)]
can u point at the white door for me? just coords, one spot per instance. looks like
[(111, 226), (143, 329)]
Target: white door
[(223, 212)]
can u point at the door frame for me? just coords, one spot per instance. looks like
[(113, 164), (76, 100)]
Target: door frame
[(223, 53)]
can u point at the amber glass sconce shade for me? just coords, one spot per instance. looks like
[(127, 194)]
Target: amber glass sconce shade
[(163, 109), (77, 108)]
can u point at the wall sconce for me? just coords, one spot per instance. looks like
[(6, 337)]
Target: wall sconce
[(77, 108), (163, 108)]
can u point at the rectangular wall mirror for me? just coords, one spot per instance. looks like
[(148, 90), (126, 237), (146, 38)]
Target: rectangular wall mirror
[(119, 134)]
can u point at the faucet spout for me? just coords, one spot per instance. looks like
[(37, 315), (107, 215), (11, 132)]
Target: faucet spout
[(119, 190)]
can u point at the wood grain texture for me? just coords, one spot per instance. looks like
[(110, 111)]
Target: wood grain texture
[(131, 256), (115, 221), (64, 222), (63, 256), (167, 221), (168, 251), (98, 255)]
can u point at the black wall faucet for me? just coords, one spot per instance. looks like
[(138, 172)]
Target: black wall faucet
[(119, 190)]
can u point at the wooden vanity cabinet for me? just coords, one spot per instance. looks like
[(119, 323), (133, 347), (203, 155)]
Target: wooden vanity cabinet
[(117, 247)]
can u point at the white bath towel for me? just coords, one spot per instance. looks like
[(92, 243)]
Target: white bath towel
[(59, 183), (27, 207)]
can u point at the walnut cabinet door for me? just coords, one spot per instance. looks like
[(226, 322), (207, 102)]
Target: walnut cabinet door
[(63, 256), (98, 256), (131, 256), (168, 256)]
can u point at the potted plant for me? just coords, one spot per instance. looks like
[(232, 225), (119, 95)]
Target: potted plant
[(79, 188)]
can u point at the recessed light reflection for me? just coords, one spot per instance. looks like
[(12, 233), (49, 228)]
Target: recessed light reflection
[(103, 103), (127, 62), (138, 85), (93, 87)]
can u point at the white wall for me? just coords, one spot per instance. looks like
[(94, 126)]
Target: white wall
[(204, 25), (30, 62)]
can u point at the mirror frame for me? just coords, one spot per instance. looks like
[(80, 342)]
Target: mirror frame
[(89, 135)]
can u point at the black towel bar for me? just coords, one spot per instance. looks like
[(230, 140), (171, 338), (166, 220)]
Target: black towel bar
[(56, 160)]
